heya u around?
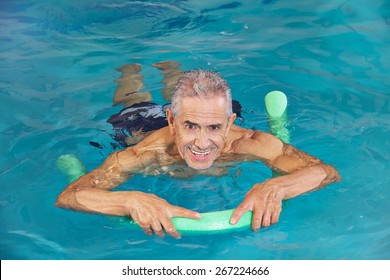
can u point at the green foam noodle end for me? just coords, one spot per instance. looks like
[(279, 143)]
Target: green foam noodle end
[(276, 107), (71, 166), (275, 103)]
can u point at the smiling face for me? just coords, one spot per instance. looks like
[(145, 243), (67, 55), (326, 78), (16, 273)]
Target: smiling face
[(200, 129)]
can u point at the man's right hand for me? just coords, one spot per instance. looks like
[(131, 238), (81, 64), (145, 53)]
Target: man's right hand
[(153, 214)]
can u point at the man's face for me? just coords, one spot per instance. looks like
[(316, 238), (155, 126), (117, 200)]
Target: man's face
[(200, 129)]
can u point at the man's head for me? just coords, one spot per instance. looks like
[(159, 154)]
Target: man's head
[(200, 117)]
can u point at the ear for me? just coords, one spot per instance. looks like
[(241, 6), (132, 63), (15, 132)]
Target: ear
[(170, 120), (231, 120)]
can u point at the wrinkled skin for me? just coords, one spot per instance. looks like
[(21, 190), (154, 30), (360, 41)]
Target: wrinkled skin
[(201, 131)]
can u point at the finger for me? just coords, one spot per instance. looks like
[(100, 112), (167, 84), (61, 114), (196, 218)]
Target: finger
[(266, 218), (257, 218), (238, 212), (143, 222), (148, 231), (157, 228), (185, 213), (159, 233), (170, 228), (275, 215)]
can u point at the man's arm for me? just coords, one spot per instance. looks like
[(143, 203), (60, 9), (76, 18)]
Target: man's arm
[(91, 193), (302, 173)]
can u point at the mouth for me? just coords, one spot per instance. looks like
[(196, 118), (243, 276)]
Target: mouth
[(200, 155)]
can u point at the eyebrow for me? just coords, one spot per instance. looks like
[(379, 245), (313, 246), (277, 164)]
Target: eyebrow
[(189, 122), (218, 125)]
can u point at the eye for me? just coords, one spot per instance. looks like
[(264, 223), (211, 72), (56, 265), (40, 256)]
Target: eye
[(190, 126), (215, 127)]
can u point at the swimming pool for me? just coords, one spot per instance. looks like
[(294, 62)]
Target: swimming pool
[(57, 74)]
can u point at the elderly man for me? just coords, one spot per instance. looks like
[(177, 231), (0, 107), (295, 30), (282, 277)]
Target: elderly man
[(200, 137)]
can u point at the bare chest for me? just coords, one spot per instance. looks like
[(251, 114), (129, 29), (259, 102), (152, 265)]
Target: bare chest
[(175, 166)]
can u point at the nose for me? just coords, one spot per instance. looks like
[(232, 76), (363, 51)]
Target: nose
[(202, 140)]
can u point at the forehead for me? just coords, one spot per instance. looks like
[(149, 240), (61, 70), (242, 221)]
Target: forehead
[(210, 107)]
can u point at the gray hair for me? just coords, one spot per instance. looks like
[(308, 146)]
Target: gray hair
[(205, 84)]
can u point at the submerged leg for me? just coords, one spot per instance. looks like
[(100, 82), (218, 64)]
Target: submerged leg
[(171, 74), (129, 85)]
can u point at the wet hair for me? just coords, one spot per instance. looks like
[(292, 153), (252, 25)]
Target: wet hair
[(202, 83)]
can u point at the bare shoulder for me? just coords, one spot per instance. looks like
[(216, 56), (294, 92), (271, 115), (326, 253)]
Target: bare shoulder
[(144, 152), (236, 136), (254, 142), (158, 140), (155, 143)]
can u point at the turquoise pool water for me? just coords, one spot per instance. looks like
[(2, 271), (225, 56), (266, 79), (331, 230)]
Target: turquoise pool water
[(57, 72)]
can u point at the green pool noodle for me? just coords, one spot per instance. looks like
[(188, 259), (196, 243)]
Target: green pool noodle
[(71, 166), (210, 222), (276, 107)]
